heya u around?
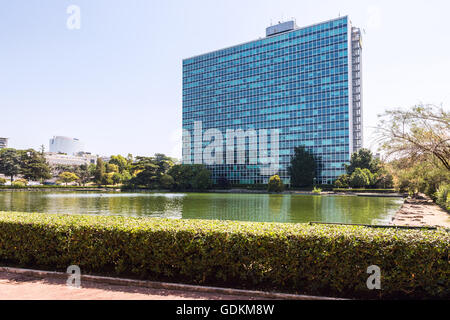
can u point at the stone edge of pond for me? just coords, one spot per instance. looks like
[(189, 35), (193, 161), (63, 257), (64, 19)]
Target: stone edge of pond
[(167, 285)]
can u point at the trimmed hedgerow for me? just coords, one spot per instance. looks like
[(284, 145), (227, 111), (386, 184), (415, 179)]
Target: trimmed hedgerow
[(54, 187), (312, 259), (359, 190)]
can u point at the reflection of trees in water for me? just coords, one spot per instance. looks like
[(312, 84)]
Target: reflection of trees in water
[(154, 205), (23, 201), (355, 209), (244, 207), (114, 205), (259, 207)]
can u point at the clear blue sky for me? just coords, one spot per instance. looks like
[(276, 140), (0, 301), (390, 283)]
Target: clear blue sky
[(116, 83)]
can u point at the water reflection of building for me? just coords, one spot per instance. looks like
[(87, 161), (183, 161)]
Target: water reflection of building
[(243, 207)]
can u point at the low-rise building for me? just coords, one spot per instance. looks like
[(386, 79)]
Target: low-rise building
[(55, 159), (3, 143)]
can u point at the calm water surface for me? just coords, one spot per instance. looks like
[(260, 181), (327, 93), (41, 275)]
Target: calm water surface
[(245, 207)]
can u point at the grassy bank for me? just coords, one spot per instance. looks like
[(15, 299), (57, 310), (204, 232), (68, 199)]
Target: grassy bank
[(312, 259)]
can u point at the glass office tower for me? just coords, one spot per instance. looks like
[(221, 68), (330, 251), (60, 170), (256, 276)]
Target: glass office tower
[(304, 82)]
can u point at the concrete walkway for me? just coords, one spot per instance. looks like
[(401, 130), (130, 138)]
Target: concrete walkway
[(15, 286), (421, 212), (29, 284)]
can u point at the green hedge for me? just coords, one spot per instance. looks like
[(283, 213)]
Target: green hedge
[(364, 190), (56, 187), (303, 258)]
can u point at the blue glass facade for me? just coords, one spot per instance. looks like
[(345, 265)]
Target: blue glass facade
[(301, 82)]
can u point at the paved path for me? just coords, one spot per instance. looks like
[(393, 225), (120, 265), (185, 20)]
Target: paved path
[(421, 212), (23, 287)]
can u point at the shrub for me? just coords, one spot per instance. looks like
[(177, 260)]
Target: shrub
[(312, 259), (342, 181), (364, 190), (359, 179), (443, 196), (19, 183), (2, 181), (67, 177), (317, 190), (275, 184)]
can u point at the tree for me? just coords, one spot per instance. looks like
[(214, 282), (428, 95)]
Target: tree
[(163, 162), (34, 167), (85, 173), (359, 179), (418, 133), (190, 176), (182, 175), (99, 171), (68, 177), (126, 176), (419, 176), (60, 168), (121, 163), (166, 181), (342, 181), (107, 179), (146, 175), (303, 168), (363, 159), (370, 176), (201, 179), (116, 178), (10, 162), (110, 167), (148, 171), (384, 180), (275, 184)]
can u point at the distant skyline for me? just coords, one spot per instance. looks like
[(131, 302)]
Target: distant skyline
[(115, 83)]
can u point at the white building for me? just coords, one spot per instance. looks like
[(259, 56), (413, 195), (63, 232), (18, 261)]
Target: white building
[(3, 143), (55, 159), (69, 146)]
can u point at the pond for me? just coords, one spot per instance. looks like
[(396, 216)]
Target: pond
[(221, 206)]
